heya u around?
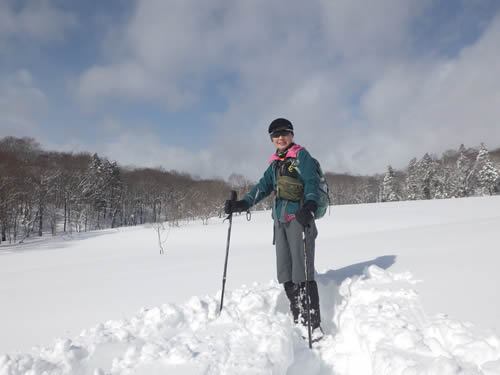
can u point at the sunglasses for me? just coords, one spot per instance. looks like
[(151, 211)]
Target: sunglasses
[(279, 133)]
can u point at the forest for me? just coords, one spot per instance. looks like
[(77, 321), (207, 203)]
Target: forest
[(47, 192)]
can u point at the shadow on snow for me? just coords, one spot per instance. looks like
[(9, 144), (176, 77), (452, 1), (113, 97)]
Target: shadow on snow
[(329, 282), (49, 242), (354, 270)]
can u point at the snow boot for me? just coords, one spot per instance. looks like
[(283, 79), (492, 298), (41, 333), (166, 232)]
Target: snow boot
[(296, 294), (292, 291), (313, 303), (316, 334), (316, 331)]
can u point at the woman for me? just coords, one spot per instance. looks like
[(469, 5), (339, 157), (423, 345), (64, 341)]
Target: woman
[(293, 176)]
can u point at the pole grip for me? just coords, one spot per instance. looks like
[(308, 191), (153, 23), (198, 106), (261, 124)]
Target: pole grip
[(233, 195)]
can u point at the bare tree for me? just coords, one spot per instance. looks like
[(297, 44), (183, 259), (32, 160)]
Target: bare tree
[(162, 232)]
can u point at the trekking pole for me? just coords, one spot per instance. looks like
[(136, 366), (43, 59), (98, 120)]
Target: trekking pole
[(308, 302), (230, 218)]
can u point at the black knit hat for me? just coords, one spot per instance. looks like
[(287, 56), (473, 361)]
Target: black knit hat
[(280, 124)]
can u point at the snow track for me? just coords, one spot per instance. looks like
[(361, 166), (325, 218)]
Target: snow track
[(374, 324)]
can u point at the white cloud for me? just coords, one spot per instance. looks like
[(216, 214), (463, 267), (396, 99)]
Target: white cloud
[(357, 29), (39, 20), (310, 62), (128, 80), (21, 105), (145, 149), (436, 105), (177, 45)]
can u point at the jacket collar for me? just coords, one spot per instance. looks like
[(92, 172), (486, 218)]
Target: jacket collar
[(292, 153)]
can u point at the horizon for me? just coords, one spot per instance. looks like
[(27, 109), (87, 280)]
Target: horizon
[(227, 179)]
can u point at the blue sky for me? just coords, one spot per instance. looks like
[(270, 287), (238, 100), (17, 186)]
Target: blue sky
[(192, 85)]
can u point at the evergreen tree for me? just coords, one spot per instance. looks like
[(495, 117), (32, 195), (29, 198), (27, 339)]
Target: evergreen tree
[(94, 191), (461, 175), (442, 181), (412, 184), (114, 190), (388, 187), (486, 172), (427, 177)]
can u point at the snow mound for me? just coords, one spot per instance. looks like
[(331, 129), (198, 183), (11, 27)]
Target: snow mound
[(382, 329), (374, 324)]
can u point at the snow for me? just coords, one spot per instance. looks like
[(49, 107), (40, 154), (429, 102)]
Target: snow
[(405, 288)]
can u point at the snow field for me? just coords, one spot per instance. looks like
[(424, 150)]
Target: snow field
[(377, 318), (374, 324)]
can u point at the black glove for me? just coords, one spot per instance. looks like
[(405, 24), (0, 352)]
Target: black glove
[(306, 214), (235, 206)]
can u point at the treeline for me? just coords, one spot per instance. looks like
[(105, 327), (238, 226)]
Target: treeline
[(458, 173), (42, 191)]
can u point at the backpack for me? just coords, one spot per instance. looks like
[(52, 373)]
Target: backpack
[(292, 190), (324, 197)]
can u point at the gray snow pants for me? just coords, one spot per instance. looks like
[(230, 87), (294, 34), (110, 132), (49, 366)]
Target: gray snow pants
[(290, 251)]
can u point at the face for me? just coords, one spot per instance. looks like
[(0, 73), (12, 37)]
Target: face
[(283, 141)]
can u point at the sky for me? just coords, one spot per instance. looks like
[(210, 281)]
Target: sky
[(193, 86)]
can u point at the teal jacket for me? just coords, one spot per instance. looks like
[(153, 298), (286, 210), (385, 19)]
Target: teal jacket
[(285, 210)]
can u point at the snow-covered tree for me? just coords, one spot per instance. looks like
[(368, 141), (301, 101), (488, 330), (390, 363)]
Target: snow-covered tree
[(389, 188), (461, 175), (363, 192), (114, 190), (442, 181), (427, 176), (486, 172), (412, 181)]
